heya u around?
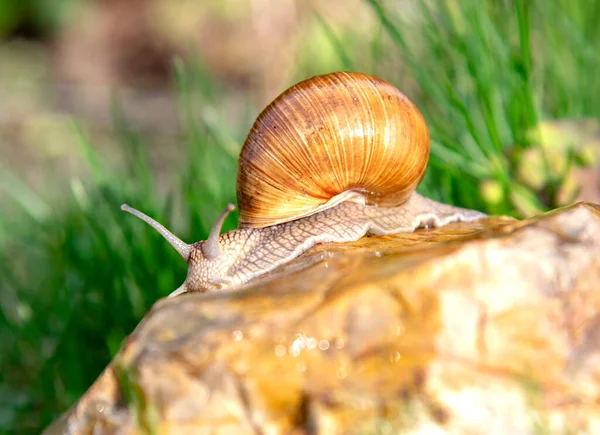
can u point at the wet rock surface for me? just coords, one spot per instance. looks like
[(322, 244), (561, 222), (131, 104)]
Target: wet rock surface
[(487, 327)]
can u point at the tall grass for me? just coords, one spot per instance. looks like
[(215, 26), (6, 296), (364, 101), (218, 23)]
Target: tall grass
[(487, 73), (76, 279)]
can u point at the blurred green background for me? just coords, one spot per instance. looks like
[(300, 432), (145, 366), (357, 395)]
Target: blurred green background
[(148, 102)]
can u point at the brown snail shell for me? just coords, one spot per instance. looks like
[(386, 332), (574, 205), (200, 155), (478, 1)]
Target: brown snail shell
[(331, 138)]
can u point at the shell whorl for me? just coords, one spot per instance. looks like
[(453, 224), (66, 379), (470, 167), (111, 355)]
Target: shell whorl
[(340, 136)]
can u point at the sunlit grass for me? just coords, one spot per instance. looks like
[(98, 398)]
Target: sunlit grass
[(487, 73), (76, 279)]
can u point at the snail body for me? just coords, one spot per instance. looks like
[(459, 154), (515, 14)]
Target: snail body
[(331, 159)]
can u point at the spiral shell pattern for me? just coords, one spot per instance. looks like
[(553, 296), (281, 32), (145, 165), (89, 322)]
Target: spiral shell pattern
[(331, 138)]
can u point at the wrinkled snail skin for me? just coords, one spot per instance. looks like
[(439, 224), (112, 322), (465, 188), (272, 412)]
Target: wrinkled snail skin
[(250, 252), (332, 159)]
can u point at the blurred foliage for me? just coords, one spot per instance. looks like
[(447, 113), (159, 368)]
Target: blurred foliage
[(32, 17), (78, 277)]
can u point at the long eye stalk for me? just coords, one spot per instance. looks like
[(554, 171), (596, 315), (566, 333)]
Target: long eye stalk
[(183, 248)]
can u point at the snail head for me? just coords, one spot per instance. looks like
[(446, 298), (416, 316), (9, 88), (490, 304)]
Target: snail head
[(206, 265)]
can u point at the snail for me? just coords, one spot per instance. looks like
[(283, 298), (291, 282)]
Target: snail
[(332, 159)]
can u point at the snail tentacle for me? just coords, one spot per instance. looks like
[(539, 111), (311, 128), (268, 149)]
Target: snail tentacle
[(180, 290), (181, 247), (211, 248)]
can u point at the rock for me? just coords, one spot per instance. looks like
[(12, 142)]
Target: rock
[(488, 327)]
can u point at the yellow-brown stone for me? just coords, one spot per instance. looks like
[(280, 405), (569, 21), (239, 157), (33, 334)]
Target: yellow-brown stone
[(490, 327)]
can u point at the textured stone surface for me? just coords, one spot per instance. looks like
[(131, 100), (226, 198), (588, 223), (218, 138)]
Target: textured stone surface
[(485, 327)]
